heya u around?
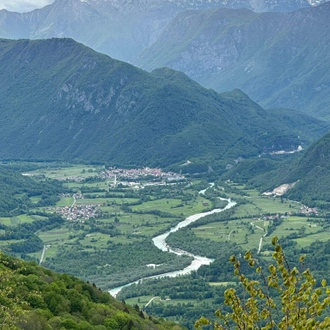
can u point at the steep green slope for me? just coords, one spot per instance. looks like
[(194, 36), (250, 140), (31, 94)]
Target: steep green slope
[(313, 173), (279, 59), (35, 298), (61, 100)]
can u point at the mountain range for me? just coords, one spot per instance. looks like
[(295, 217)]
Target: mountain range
[(121, 29), (278, 59), (63, 101)]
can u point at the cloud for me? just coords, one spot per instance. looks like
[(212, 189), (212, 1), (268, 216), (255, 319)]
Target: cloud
[(23, 5)]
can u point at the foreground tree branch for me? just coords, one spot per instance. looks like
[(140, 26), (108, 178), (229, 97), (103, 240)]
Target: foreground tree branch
[(284, 298)]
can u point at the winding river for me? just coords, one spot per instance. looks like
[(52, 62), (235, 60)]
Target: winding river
[(160, 243)]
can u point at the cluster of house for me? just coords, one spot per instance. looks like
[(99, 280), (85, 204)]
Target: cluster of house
[(78, 212), (275, 217), (75, 196), (308, 210), (140, 173), (76, 178)]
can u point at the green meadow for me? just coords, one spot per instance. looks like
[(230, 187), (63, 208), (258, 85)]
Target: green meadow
[(62, 173)]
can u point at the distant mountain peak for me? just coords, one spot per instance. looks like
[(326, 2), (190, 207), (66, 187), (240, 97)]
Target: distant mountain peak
[(119, 28), (279, 59)]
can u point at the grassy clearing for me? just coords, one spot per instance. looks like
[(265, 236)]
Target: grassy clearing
[(65, 201), (59, 173), (274, 205), (26, 218), (50, 252), (264, 205), (119, 201), (5, 221), (176, 206), (296, 224), (56, 236), (35, 199), (123, 239), (95, 240), (15, 221), (235, 231), (146, 225), (140, 301), (308, 240)]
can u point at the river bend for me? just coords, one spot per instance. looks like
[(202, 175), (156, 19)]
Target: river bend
[(160, 243)]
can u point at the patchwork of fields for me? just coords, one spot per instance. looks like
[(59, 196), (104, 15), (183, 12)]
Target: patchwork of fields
[(114, 246)]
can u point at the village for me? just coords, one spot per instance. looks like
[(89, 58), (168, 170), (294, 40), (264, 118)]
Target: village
[(77, 212), (140, 173)]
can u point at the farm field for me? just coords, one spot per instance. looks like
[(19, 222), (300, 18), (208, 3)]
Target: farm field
[(67, 172), (257, 215)]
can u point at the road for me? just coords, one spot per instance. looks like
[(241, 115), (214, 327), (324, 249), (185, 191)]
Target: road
[(261, 238), (43, 254), (74, 202), (149, 302), (228, 238)]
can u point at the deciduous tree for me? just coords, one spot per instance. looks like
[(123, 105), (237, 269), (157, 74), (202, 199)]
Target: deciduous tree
[(283, 298)]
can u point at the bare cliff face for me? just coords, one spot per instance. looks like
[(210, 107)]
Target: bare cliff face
[(119, 28)]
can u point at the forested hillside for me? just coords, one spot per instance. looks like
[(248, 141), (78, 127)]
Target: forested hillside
[(309, 170), (36, 298), (312, 172), (94, 108), (16, 191)]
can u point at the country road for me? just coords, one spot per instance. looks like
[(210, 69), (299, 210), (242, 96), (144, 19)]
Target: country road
[(228, 237), (261, 238), (149, 302), (43, 253), (74, 201)]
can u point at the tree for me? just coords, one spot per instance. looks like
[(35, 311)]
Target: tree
[(10, 305), (284, 298)]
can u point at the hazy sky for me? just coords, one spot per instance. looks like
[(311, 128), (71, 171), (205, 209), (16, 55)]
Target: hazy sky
[(23, 5)]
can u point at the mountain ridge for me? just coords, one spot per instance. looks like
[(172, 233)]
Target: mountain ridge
[(279, 59), (119, 29), (94, 108)]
